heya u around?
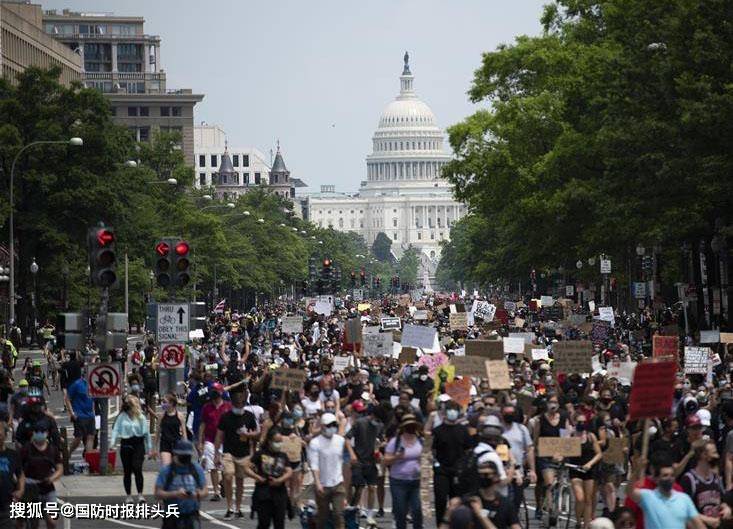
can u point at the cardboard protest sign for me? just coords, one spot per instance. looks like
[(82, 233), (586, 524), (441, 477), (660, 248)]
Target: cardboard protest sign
[(469, 366), (460, 391), (352, 330), (492, 349), (621, 371), (652, 390), (614, 454), (371, 329), (526, 336), (666, 346), (697, 360), (573, 356), (390, 323), (433, 362), (292, 324), (497, 372), (710, 336), (408, 355), (379, 344), (559, 446), (288, 379), (341, 362), (519, 322), (726, 337), (418, 336), (513, 345), (420, 315), (459, 321), (292, 446)]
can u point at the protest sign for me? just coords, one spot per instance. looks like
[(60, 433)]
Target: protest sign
[(519, 322), (540, 354), (666, 346), (433, 362), (288, 379), (527, 337), (599, 331), (362, 307), (408, 355), (652, 390), (710, 336), (458, 321), (621, 371), (292, 324), (606, 314), (513, 345), (371, 329), (470, 366), (484, 310), (492, 349), (592, 306), (352, 330), (420, 315), (418, 336), (390, 323), (726, 337), (341, 362), (546, 301), (510, 306), (323, 308), (405, 300), (573, 356), (445, 373), (696, 360), (577, 319), (559, 446), (614, 453), (459, 391), (379, 344), (497, 372)]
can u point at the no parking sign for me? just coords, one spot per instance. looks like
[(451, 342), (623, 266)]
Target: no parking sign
[(104, 380), (172, 355)]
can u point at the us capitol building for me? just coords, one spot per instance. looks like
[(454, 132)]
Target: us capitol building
[(404, 195)]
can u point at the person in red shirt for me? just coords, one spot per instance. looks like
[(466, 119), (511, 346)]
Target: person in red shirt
[(211, 412)]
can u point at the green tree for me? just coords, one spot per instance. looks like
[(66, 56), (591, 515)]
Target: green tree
[(382, 247), (407, 267)]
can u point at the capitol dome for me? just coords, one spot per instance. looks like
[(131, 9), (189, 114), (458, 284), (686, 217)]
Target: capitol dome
[(408, 143)]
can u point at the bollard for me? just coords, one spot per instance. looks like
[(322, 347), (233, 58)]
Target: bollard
[(65, 450)]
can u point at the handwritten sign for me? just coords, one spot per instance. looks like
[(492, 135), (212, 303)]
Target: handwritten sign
[(540, 354), (573, 356), (292, 324), (458, 321), (492, 349), (696, 360), (484, 310), (666, 346), (614, 454), (513, 345), (710, 336), (288, 379), (379, 344), (622, 371), (408, 355), (433, 361), (497, 372), (418, 336), (527, 337), (341, 362), (559, 446), (606, 314), (420, 315), (390, 323), (469, 366), (652, 390), (459, 391), (600, 331), (726, 337)]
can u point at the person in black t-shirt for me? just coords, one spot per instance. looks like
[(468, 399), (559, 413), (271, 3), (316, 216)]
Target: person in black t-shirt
[(12, 479), (495, 507), (236, 431), (270, 469)]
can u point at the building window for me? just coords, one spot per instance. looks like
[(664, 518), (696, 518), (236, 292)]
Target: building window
[(341, 223), (144, 133), (245, 160), (395, 236), (213, 161), (394, 223), (329, 211), (361, 223), (235, 160), (165, 111), (144, 111), (114, 111), (245, 179), (419, 236), (202, 179), (176, 112), (275, 179), (258, 179), (132, 111), (202, 160), (352, 223), (432, 235), (236, 178)]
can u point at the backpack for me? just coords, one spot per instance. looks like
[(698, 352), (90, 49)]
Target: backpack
[(466, 473), (149, 381), (171, 475), (137, 358)]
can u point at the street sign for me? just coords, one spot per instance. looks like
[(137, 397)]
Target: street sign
[(172, 322), (104, 381), (605, 266), (358, 294), (639, 290), (172, 355)]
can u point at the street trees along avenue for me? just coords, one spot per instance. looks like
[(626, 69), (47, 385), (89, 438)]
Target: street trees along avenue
[(612, 127)]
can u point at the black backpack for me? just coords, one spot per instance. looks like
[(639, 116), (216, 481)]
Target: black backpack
[(466, 476)]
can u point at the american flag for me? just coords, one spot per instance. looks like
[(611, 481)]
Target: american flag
[(220, 306)]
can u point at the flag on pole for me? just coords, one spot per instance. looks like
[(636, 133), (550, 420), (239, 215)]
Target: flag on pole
[(219, 309)]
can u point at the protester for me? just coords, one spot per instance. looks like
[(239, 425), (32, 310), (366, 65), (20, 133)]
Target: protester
[(325, 454), (132, 430), (181, 484), (171, 428), (403, 454)]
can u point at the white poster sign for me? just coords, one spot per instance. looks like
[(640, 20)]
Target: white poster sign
[(514, 345), (419, 336), (378, 344)]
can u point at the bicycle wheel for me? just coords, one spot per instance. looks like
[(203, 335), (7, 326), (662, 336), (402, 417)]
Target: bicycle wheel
[(524, 518), (565, 505)]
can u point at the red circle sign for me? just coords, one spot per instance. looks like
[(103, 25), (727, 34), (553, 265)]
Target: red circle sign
[(104, 381), (172, 355)]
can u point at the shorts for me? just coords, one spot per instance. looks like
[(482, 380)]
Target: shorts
[(546, 463), (364, 474), (166, 445), (84, 427), (207, 458), (233, 466)]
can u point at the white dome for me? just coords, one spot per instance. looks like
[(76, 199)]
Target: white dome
[(407, 113)]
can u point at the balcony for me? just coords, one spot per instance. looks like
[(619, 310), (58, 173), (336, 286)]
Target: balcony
[(124, 76)]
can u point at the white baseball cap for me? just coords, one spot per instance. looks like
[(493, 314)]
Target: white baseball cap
[(328, 418)]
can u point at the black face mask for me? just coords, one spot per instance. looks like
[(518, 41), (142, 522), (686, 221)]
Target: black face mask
[(508, 418), (678, 393), (665, 485), (714, 462), (485, 482)]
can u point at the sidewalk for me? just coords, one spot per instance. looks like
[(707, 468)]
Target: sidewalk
[(81, 485)]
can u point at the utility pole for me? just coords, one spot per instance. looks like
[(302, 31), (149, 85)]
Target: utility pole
[(104, 357), (127, 285)]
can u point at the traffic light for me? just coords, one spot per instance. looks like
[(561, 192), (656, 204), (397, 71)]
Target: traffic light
[(362, 277), (326, 270), (378, 281), (181, 263), (102, 258), (312, 272), (353, 278), (163, 263)]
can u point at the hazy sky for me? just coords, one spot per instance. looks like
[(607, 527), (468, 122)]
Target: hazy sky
[(317, 73)]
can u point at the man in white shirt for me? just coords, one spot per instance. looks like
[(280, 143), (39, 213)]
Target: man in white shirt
[(325, 457)]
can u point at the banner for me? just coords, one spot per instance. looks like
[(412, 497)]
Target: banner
[(652, 390), (573, 356), (418, 336)]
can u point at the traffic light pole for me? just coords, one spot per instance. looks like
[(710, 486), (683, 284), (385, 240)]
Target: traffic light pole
[(104, 357)]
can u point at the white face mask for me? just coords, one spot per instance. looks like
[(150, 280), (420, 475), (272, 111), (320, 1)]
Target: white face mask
[(423, 377), (238, 411), (328, 432), (451, 415)]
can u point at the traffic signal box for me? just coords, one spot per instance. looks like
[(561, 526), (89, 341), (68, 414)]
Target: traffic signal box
[(102, 259), (172, 264)]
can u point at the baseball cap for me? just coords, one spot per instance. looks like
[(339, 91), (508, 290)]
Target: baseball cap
[(692, 421), (444, 397), (357, 406), (216, 386), (23, 383), (328, 418), (183, 447)]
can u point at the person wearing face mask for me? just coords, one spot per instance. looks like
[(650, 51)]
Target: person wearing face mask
[(422, 385), (182, 484), (311, 403), (131, 428), (522, 448), (551, 423), (583, 481), (236, 431), (293, 436), (271, 471), (42, 466), (328, 393), (12, 479), (663, 507), (451, 440), (704, 485), (211, 412), (402, 454), (172, 428), (325, 457), (495, 507)]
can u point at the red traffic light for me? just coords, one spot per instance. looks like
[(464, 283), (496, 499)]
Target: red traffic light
[(162, 249), (327, 262), (182, 248), (105, 237), (362, 273)]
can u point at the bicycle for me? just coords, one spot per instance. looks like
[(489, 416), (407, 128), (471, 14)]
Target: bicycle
[(560, 506)]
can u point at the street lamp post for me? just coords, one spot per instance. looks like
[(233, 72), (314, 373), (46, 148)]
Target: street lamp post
[(74, 142), (65, 274), (34, 333)]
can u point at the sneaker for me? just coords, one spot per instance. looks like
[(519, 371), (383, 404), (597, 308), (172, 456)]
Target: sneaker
[(380, 513), (215, 497), (228, 515), (371, 522), (129, 500), (239, 514), (538, 514), (362, 513), (141, 499)]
